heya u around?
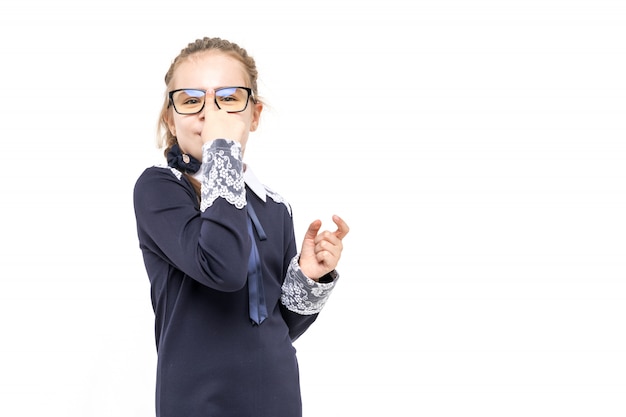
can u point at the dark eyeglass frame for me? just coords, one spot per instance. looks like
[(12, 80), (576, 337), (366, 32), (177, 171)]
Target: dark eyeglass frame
[(171, 97)]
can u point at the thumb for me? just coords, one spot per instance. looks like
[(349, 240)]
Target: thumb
[(314, 227)]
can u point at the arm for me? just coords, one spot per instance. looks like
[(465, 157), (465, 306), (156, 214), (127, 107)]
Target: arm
[(207, 244)]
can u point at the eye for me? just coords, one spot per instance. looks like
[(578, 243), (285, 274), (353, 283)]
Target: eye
[(228, 95), (191, 101)]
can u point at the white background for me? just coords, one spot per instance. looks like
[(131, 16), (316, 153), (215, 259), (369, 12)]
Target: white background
[(478, 155)]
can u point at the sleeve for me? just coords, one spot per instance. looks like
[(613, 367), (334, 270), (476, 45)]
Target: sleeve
[(302, 299), (208, 243), (303, 295)]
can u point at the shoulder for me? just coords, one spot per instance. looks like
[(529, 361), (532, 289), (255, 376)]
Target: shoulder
[(155, 178), (160, 173), (277, 198), (157, 171)]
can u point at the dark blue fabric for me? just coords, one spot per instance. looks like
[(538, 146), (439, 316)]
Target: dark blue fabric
[(211, 360)]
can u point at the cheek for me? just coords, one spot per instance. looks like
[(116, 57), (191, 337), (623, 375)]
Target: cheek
[(251, 122), (180, 127)]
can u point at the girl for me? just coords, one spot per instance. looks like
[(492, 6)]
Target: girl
[(230, 292)]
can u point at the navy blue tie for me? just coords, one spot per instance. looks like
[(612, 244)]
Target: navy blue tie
[(256, 294)]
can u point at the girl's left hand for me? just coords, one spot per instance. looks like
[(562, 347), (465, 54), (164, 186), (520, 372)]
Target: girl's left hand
[(321, 251)]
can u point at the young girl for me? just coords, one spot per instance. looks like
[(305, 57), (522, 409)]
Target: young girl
[(230, 292)]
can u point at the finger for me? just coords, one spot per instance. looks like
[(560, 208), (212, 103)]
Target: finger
[(327, 259), (342, 227), (324, 257), (314, 227), (209, 102), (328, 248), (329, 237)]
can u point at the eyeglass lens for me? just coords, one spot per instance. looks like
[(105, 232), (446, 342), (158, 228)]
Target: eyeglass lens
[(190, 101)]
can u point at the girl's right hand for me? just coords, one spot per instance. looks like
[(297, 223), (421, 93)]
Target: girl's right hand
[(219, 124)]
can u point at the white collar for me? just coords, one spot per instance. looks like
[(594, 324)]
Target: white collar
[(253, 183)]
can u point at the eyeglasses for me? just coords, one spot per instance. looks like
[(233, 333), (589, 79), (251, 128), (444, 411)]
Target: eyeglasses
[(191, 100)]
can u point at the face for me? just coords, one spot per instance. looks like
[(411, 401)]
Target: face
[(208, 71)]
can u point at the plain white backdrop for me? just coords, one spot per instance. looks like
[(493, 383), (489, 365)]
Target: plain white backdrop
[(476, 148)]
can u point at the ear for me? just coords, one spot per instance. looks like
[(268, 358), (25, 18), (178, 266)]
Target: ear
[(256, 116)]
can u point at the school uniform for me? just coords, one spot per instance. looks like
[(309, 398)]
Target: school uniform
[(213, 359)]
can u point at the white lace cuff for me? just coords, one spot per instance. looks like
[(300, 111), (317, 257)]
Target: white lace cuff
[(222, 173), (301, 294)]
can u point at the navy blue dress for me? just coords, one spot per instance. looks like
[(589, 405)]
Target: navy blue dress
[(212, 360)]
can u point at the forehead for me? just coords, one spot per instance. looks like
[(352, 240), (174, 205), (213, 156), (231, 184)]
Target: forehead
[(209, 69)]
